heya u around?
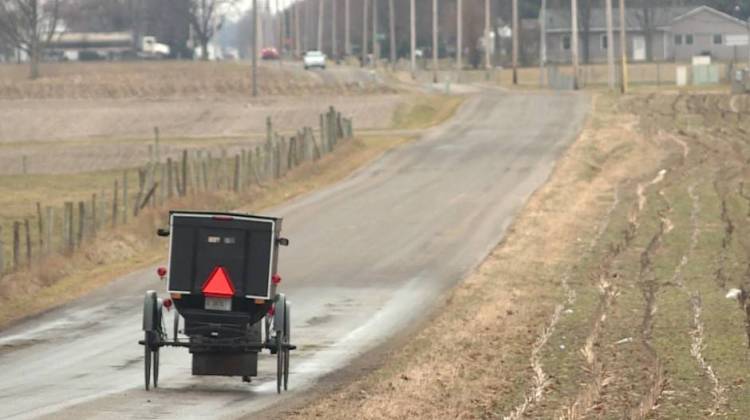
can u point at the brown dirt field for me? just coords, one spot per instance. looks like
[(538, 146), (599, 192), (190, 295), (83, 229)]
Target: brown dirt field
[(179, 79), (606, 299), (117, 133)]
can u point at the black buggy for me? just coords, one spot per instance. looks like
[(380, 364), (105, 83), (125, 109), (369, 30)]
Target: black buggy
[(222, 281)]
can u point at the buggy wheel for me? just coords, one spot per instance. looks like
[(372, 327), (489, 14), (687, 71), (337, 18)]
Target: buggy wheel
[(147, 359), (279, 360), (287, 341), (155, 358)]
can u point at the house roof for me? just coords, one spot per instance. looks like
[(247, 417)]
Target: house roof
[(559, 19), (709, 10)]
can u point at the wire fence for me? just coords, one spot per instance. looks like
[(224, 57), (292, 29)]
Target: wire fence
[(64, 229)]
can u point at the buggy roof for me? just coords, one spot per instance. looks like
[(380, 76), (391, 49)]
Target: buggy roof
[(220, 214)]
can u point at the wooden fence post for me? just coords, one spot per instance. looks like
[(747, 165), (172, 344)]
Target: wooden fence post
[(94, 221), (236, 180), (290, 163), (40, 225), (49, 226), (196, 172), (125, 197), (27, 231), (269, 146), (259, 165), (141, 187), (114, 205), (184, 184), (71, 227), (16, 244), (204, 168), (323, 135), (81, 222), (170, 181)]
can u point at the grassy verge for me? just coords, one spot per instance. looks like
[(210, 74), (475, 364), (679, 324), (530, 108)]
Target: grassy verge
[(606, 298), (114, 252)]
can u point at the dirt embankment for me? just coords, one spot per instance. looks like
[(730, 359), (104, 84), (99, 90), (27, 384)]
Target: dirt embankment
[(607, 298)]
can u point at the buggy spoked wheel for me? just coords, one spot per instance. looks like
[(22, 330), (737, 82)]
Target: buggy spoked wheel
[(156, 367), (287, 341), (281, 328), (151, 360), (153, 335), (279, 360), (147, 360)]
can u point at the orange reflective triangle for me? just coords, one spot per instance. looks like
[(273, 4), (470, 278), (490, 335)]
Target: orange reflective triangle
[(218, 284)]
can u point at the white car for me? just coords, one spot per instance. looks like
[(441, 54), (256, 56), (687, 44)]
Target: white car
[(314, 59)]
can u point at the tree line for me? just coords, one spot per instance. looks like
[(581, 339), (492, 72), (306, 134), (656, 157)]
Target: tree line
[(29, 25)]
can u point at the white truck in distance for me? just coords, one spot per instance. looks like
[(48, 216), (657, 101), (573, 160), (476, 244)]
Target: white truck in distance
[(314, 59), (152, 49)]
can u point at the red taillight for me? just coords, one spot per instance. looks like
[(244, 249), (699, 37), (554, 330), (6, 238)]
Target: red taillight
[(167, 303), (161, 271), (276, 279), (223, 218), (272, 310)]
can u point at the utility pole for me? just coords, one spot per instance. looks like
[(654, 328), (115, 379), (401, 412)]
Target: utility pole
[(623, 47), (542, 41), (413, 39), (365, 22), (334, 41), (375, 40), (321, 9), (297, 33), (610, 46), (392, 24), (280, 16), (255, 48), (347, 29), (487, 63), (459, 35), (515, 42), (574, 40), (434, 41)]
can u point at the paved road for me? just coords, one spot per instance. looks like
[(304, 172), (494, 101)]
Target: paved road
[(367, 255)]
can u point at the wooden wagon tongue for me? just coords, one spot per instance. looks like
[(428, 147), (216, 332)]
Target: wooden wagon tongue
[(218, 284)]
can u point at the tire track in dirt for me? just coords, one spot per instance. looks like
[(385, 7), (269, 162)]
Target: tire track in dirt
[(649, 286), (541, 380), (599, 378), (697, 332)]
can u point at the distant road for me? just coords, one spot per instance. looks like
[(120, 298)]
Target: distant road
[(367, 256)]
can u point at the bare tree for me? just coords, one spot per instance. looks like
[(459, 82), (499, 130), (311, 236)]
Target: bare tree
[(650, 15), (29, 25), (206, 18)]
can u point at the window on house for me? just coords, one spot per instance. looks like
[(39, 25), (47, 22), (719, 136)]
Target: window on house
[(605, 42), (689, 39), (678, 40), (566, 42), (718, 39)]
